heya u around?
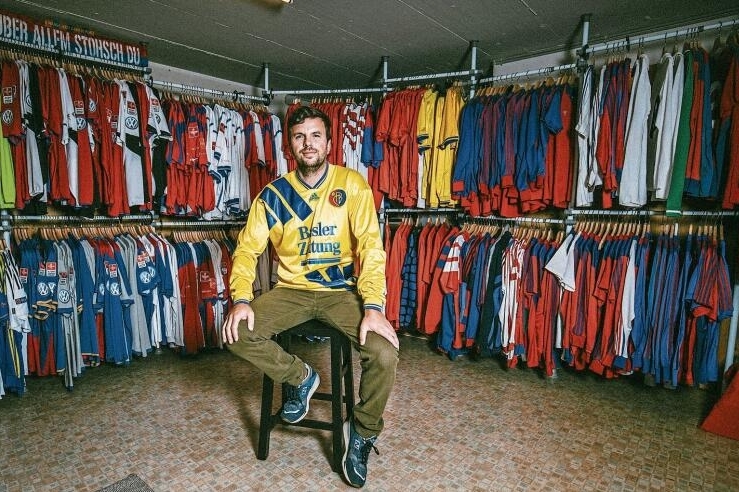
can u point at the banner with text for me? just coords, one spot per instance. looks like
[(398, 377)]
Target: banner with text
[(52, 37)]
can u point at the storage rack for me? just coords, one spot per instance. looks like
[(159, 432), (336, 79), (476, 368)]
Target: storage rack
[(473, 75)]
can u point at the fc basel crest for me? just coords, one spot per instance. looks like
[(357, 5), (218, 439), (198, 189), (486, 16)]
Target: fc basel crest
[(337, 198)]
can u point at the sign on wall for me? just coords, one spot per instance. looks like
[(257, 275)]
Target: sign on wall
[(52, 37)]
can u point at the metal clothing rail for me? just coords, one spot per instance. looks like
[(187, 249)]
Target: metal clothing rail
[(708, 213), (444, 75), (78, 219), (205, 224), (429, 211), (542, 70), (624, 43), (593, 211), (532, 220), (330, 91), (527, 73), (685, 213), (316, 92), (195, 90), (629, 41), (384, 212), (149, 219), (472, 73)]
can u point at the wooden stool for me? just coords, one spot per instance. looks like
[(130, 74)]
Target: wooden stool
[(341, 369)]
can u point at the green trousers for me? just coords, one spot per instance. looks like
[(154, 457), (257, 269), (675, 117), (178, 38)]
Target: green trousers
[(282, 308)]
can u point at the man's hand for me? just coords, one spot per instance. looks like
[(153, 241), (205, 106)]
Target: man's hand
[(238, 313), (375, 321)]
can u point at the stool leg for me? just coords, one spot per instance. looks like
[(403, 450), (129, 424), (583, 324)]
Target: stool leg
[(337, 420), (265, 420), (348, 373)]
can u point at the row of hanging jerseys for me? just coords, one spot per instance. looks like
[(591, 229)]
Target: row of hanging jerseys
[(424, 147), (668, 130), (396, 145), (74, 303), (114, 147), (609, 301), (633, 134)]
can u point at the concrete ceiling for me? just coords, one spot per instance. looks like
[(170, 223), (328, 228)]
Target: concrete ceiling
[(316, 44)]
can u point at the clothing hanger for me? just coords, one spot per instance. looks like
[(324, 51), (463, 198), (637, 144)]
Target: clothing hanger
[(590, 225), (604, 237)]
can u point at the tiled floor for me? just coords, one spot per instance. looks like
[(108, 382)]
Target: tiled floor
[(186, 424)]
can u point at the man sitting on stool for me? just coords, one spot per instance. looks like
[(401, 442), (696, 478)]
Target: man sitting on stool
[(320, 219)]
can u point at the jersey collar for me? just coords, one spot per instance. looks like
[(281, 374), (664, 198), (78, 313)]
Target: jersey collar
[(319, 182)]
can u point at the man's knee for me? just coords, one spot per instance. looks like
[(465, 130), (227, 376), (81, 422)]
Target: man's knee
[(250, 336), (381, 352)]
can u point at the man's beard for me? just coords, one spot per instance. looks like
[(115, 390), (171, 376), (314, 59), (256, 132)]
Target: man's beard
[(310, 169)]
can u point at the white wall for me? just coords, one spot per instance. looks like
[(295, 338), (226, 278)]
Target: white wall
[(164, 73)]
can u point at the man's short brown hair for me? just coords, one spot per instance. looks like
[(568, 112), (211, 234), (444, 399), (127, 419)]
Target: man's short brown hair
[(304, 112)]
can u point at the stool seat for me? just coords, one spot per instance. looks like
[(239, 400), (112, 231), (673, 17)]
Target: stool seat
[(341, 394)]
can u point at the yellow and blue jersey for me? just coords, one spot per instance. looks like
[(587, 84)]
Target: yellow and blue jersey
[(317, 233)]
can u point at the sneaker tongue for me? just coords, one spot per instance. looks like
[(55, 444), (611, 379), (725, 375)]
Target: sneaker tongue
[(369, 443)]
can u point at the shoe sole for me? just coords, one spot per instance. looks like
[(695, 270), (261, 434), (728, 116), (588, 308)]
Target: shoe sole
[(312, 390), (347, 434)]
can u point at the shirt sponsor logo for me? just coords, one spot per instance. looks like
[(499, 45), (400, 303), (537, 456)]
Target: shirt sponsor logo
[(311, 239), (132, 122), (7, 117), (42, 288), (64, 296), (115, 289)]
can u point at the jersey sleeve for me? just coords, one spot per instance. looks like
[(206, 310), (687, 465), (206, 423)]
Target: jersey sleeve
[(252, 241), (369, 248)]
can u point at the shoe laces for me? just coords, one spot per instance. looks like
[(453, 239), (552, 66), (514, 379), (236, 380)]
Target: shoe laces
[(293, 393), (367, 445)]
